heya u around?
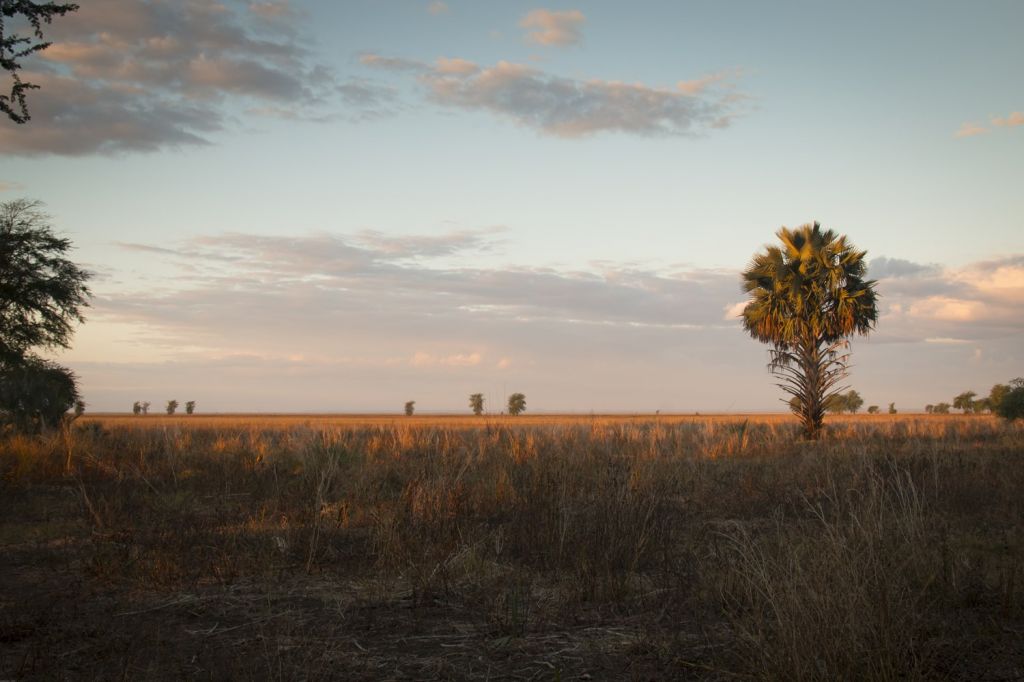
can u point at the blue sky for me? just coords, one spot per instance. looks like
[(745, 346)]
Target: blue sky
[(346, 205)]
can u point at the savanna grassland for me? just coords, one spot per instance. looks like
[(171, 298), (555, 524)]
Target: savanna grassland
[(644, 547)]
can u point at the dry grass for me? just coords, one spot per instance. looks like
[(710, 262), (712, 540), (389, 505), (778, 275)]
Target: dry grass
[(542, 547)]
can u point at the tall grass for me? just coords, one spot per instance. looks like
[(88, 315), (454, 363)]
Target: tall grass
[(890, 549)]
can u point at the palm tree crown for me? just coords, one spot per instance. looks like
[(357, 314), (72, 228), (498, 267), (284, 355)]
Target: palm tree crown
[(813, 287)]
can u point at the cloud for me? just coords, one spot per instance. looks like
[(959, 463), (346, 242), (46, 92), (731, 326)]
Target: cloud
[(982, 300), (969, 129), (567, 107), (947, 309), (11, 186), (734, 310), (424, 359), (881, 268), (553, 28), (437, 7), (136, 76), (271, 10), (1016, 118)]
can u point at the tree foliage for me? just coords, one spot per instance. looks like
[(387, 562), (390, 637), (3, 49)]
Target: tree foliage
[(807, 297), (1011, 404), (172, 406), (892, 408), (190, 407), (873, 409), (410, 407), (36, 394), (516, 404), (476, 403), (965, 401), (838, 403), (13, 47), (941, 408), (42, 293)]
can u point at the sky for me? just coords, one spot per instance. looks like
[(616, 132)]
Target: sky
[(339, 206)]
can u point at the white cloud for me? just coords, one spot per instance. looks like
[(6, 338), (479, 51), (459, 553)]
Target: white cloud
[(734, 310), (545, 27)]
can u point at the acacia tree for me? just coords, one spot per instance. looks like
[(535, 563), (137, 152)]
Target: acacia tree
[(476, 403), (13, 47), (965, 401), (516, 404), (42, 294), (807, 298)]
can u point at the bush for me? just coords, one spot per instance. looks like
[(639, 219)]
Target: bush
[(1011, 406), (36, 394)]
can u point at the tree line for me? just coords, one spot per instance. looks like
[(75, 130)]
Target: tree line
[(516, 404), (141, 407), (1005, 400)]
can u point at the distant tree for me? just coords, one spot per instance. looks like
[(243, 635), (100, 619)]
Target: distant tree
[(928, 409), (145, 407), (834, 404), (965, 401), (892, 408), (13, 47), (853, 401), (190, 407), (873, 409), (996, 395), (982, 405), (1011, 406), (136, 408), (172, 405), (36, 394), (838, 403), (941, 408), (806, 299), (410, 407), (476, 403), (516, 404)]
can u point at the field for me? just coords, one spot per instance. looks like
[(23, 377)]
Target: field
[(543, 547)]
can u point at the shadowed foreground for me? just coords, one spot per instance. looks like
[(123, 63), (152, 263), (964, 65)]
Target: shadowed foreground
[(571, 548)]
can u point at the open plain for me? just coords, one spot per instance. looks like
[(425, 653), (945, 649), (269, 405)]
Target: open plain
[(538, 547)]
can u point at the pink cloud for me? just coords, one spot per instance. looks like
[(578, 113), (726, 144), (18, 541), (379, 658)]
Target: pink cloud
[(553, 28)]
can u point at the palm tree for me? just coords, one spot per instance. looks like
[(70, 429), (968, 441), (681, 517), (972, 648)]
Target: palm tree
[(806, 298)]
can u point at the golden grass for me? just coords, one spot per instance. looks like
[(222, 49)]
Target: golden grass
[(437, 546)]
